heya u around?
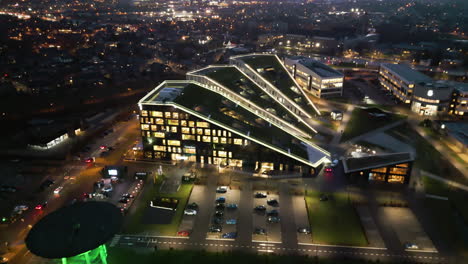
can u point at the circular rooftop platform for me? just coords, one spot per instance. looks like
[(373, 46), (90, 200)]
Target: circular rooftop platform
[(74, 229)]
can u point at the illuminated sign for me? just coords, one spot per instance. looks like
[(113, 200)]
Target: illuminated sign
[(430, 93), (113, 172)]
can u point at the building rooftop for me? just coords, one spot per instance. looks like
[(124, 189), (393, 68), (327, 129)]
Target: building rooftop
[(219, 110), (319, 68), (236, 81), (271, 69), (407, 73), (375, 161)]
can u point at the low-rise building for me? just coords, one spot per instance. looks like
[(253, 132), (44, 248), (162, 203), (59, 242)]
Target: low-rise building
[(315, 77)]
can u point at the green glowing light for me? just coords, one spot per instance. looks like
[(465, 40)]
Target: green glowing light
[(97, 255)]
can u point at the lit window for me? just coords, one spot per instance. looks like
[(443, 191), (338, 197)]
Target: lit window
[(159, 134), (145, 127), (186, 130), (206, 139), (222, 154), (167, 114), (159, 148), (173, 122), (223, 140), (207, 132), (238, 141), (156, 114), (173, 143), (183, 122), (203, 124), (215, 140), (144, 113), (159, 121), (230, 154), (188, 137), (175, 115), (174, 129), (191, 124), (154, 127), (199, 131), (190, 150)]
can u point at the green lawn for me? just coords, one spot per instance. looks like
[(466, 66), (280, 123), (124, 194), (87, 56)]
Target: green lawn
[(361, 122), (135, 224), (334, 221), (124, 256)]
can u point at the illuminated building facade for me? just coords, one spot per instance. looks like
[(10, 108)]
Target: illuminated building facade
[(427, 96), (224, 116), (315, 77), (385, 168)]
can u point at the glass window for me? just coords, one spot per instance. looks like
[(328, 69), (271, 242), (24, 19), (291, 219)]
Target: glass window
[(145, 127), (144, 113), (159, 121), (154, 127), (156, 114), (223, 140), (174, 129), (199, 131), (159, 134), (159, 148), (191, 124), (183, 122), (203, 124), (230, 154), (238, 141), (188, 137), (167, 114), (206, 139), (215, 140), (222, 154), (173, 142), (190, 150), (186, 130), (173, 122), (175, 115), (207, 132)]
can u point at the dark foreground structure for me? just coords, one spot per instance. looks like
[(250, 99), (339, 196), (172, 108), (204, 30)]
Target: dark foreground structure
[(76, 233)]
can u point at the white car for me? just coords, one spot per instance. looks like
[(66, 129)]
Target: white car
[(21, 207), (222, 189), (411, 246), (58, 190), (190, 212)]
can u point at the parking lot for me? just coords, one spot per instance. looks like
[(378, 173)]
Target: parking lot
[(225, 214), (260, 218)]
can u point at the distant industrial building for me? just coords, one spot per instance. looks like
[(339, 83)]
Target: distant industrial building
[(427, 96), (315, 77)]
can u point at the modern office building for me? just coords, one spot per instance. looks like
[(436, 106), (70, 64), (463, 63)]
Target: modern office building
[(315, 77), (427, 96), (233, 116), (383, 168)]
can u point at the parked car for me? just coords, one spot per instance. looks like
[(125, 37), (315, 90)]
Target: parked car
[(273, 202), (411, 246), (41, 206), (328, 169), (231, 221), (273, 213), (183, 233), (215, 229), (221, 199), (303, 230), (231, 206), (260, 231), (217, 220), (58, 190), (260, 208), (229, 235), (190, 212), (193, 206), (127, 195), (219, 213), (222, 189), (20, 208), (123, 200), (220, 206), (260, 195), (273, 219), (8, 188)]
